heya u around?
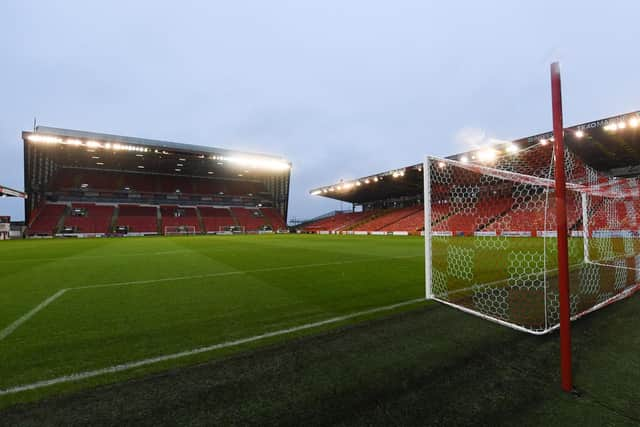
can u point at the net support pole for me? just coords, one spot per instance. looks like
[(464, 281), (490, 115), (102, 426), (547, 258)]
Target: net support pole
[(426, 202), (561, 220)]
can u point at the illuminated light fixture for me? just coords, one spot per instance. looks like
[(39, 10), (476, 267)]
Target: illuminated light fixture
[(325, 190), (107, 145), (95, 157), (622, 125), (127, 188), (579, 134), (210, 173), (140, 167), (332, 189), (179, 164), (366, 181), (512, 148), (552, 139), (258, 163), (75, 142), (358, 183), (348, 186), (240, 174), (84, 185), (611, 127), (339, 187), (544, 141), (93, 144), (220, 163), (464, 159), (634, 122), (139, 155), (221, 193), (201, 156), (395, 174), (487, 155), (177, 170), (99, 163), (44, 138), (401, 173), (116, 146), (441, 165), (473, 157), (182, 160), (375, 179), (316, 192)]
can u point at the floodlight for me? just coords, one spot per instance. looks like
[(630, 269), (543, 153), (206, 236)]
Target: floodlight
[(544, 141), (366, 181), (75, 142), (92, 144), (487, 155), (512, 148), (441, 165), (464, 159), (375, 179), (44, 138), (621, 125), (579, 134), (634, 122), (358, 183)]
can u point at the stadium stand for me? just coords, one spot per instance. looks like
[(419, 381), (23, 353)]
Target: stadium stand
[(89, 218), (274, 217), (250, 219), (386, 218), (411, 223), (179, 215), (337, 221), (215, 219), (47, 219), (139, 219)]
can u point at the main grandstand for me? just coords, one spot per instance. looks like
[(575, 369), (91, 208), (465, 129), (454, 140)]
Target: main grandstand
[(93, 184), (391, 202)]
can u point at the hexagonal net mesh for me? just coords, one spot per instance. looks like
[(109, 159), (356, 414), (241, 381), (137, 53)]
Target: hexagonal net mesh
[(492, 244)]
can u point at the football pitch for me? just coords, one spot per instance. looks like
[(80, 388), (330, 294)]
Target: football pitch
[(79, 313), (96, 310)]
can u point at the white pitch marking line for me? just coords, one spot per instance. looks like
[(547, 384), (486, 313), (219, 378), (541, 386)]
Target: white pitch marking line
[(232, 273), (144, 362), (12, 327)]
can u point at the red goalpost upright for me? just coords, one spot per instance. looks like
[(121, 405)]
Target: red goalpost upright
[(561, 222)]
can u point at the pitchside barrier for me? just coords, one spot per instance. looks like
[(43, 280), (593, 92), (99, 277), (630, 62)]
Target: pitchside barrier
[(491, 241)]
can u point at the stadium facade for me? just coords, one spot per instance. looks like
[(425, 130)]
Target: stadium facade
[(87, 183), (390, 201)]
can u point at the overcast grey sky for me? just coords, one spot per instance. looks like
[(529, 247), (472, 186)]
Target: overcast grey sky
[(341, 88)]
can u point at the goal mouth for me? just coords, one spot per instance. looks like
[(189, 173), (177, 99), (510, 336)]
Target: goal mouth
[(491, 238), (179, 230)]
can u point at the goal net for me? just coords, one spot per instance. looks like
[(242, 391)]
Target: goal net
[(179, 230), (491, 241)]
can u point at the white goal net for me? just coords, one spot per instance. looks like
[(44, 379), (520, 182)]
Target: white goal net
[(179, 230), (491, 242)]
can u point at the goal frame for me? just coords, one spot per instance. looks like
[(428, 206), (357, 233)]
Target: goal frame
[(180, 230)]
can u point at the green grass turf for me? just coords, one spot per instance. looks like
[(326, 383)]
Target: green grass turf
[(463, 366), (88, 329)]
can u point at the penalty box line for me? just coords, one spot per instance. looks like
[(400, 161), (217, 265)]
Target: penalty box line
[(15, 325), (158, 359)]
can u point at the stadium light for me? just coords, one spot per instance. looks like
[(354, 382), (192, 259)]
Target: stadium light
[(358, 183), (512, 148), (375, 179), (544, 141), (611, 127), (258, 163), (464, 159), (441, 165), (621, 125), (366, 181), (44, 138), (579, 134), (316, 192), (487, 155), (633, 122)]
